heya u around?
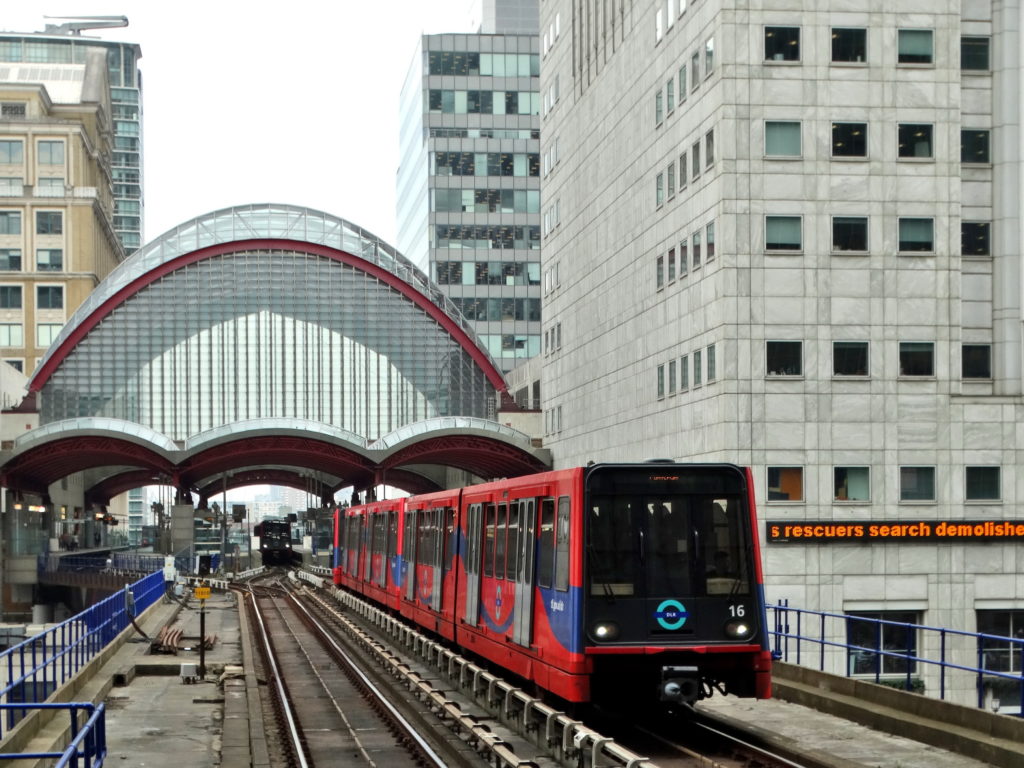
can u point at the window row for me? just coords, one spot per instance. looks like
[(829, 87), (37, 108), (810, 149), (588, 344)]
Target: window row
[(47, 297), (484, 102), (485, 164), (850, 46), (48, 152), (553, 339), (553, 420), (853, 484), (852, 358), (684, 80), (850, 235), (784, 139), (472, 63), (665, 183), (13, 334), (666, 379), (514, 345), (485, 200), (486, 272), (497, 310), (483, 133), (693, 249), (486, 236), (14, 186), (47, 222)]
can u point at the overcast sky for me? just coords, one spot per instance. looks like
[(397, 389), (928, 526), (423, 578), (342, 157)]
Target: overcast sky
[(281, 102)]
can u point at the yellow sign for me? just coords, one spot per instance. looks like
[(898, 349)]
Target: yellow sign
[(202, 593)]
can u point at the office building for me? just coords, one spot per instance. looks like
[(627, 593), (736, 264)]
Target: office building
[(64, 44), (469, 176), (789, 237)]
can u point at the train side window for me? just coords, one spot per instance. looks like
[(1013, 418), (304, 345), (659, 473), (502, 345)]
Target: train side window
[(472, 553), (491, 521), (367, 543), (501, 532), (562, 546), (449, 538), (513, 540), (546, 560), (392, 534)]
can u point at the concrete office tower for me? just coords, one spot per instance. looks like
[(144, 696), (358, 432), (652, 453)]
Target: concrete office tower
[(57, 239), (469, 174), (64, 44), (789, 237)]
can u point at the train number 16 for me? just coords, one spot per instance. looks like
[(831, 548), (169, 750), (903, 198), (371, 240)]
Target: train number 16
[(737, 611)]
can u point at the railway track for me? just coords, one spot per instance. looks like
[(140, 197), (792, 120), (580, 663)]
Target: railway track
[(323, 706)]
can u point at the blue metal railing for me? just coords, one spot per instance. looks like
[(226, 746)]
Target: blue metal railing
[(35, 668), (792, 628), (88, 747)]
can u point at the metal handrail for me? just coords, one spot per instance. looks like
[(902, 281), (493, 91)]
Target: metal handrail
[(88, 747), (812, 627)]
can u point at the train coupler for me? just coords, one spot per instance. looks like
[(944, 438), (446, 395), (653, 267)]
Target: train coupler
[(679, 684)]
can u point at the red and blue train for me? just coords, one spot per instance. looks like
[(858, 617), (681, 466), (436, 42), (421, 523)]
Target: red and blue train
[(594, 583)]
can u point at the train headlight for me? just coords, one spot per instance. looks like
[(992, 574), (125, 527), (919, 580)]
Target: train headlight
[(604, 631), (738, 630)]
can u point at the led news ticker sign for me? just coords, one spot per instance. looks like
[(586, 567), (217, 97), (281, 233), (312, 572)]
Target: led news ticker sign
[(788, 531)]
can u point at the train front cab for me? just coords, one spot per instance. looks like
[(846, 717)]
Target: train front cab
[(674, 604), (519, 594)]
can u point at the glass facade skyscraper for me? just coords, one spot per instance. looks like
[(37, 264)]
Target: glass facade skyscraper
[(469, 208)]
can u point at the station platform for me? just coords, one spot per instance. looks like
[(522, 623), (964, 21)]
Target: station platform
[(155, 718)]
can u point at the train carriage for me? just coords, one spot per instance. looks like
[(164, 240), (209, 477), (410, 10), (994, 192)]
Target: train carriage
[(611, 582)]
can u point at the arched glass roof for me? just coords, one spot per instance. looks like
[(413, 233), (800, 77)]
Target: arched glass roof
[(267, 312)]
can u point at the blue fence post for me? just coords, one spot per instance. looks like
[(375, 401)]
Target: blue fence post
[(821, 635), (981, 675)]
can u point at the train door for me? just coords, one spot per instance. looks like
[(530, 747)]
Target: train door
[(391, 556), (474, 535), (522, 624), (409, 554), (436, 517)]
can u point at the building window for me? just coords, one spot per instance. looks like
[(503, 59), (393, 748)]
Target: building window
[(670, 96), (10, 222), (974, 54), (849, 233), (852, 484), (659, 115), (982, 484), (695, 160), (709, 56), (682, 171), (917, 235), (46, 333), (51, 153), (672, 377), (49, 297), (670, 260), (696, 251), (697, 369), (784, 358), (709, 148), (917, 358), (49, 223), (849, 139), (894, 632), (695, 71), (49, 259), (782, 138), (661, 381), (785, 483), (974, 146), (684, 373), (682, 84), (684, 256), (12, 335), (712, 372), (976, 238), (659, 278), (10, 259), (1002, 655), (10, 297), (915, 46), (709, 233), (915, 140), (659, 189), (782, 233), (917, 483), (16, 363), (976, 361), (11, 152), (849, 44), (849, 358), (782, 43), (670, 173)]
